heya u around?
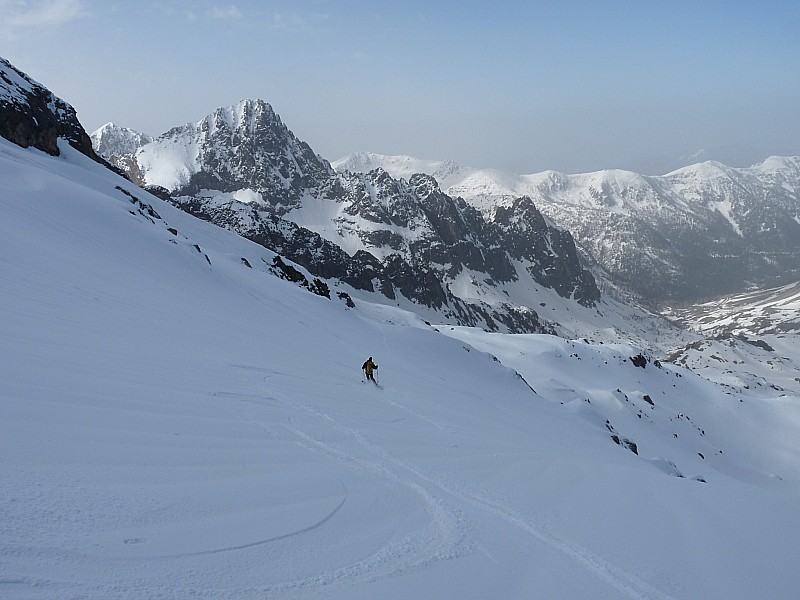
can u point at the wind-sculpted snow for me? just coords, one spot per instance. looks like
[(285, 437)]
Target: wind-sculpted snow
[(180, 422)]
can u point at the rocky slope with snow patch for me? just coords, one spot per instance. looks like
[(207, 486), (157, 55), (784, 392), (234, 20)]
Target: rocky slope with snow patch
[(31, 115)]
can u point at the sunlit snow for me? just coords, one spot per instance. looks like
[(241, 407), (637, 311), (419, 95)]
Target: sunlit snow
[(176, 424)]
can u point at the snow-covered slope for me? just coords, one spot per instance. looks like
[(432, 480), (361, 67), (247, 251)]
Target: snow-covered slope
[(699, 232), (178, 422)]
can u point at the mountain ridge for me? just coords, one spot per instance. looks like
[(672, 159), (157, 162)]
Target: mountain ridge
[(242, 168), (696, 233)]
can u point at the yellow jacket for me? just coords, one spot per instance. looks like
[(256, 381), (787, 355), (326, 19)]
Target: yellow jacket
[(369, 366)]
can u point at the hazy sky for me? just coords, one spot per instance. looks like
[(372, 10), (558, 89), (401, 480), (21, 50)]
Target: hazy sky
[(517, 85)]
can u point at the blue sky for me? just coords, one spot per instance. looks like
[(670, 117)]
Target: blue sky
[(521, 86)]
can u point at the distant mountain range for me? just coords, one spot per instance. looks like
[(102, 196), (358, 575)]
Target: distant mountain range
[(403, 239), (697, 233)]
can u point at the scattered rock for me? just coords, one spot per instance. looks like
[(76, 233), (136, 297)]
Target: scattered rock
[(626, 443), (639, 360), (288, 272), (348, 301)]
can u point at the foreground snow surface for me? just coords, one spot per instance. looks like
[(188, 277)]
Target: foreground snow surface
[(181, 427)]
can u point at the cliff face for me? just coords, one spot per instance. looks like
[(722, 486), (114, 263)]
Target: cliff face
[(32, 116)]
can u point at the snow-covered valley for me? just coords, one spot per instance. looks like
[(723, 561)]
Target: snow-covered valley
[(178, 422)]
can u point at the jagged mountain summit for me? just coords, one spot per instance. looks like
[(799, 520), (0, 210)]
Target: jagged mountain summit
[(117, 143), (239, 147), (697, 233), (403, 239)]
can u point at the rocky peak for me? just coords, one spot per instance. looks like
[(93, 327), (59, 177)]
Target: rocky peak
[(112, 141), (551, 252), (31, 115), (243, 146)]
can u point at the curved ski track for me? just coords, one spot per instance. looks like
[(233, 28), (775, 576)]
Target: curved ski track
[(450, 532)]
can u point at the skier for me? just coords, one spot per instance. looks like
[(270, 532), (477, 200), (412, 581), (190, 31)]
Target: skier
[(368, 367)]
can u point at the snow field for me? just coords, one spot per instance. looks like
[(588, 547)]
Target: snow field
[(180, 427)]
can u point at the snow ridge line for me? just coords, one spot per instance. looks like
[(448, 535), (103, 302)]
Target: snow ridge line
[(625, 582)]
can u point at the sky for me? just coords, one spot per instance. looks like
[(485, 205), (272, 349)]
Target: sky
[(519, 86)]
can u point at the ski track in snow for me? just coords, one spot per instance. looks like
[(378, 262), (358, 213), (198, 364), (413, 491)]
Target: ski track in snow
[(284, 536), (448, 539), (414, 551), (433, 422)]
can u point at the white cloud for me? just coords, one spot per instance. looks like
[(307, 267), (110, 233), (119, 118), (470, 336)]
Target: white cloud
[(174, 9), (291, 22), (230, 11), (20, 16)]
